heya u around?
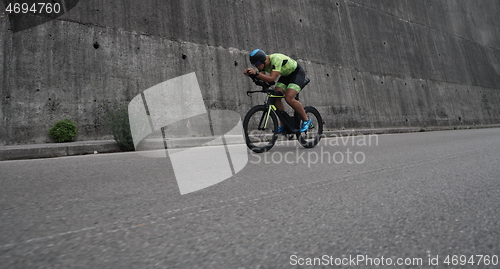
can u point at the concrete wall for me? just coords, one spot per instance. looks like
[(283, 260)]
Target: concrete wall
[(372, 63)]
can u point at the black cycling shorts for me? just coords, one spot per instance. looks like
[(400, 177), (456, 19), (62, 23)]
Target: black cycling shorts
[(294, 81)]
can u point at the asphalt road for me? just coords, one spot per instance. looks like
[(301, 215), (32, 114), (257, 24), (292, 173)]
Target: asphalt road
[(406, 198)]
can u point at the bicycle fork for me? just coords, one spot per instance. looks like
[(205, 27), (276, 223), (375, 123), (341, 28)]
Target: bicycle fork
[(265, 118)]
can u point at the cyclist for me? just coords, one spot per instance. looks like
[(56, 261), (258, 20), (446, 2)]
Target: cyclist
[(291, 80)]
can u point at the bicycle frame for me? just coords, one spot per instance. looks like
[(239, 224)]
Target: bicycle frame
[(290, 127)]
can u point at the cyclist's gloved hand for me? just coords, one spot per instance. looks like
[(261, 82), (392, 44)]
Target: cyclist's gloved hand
[(249, 71)]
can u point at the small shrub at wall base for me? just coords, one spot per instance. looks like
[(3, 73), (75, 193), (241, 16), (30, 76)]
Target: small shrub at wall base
[(117, 121), (64, 131)]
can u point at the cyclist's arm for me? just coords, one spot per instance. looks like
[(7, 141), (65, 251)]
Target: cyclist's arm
[(273, 77)]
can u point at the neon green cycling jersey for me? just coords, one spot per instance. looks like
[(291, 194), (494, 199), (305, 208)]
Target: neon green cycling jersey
[(282, 63)]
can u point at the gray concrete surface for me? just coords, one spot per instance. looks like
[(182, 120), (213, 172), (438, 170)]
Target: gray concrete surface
[(417, 196), (373, 64)]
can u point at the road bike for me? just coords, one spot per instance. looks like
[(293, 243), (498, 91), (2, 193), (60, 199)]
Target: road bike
[(261, 121)]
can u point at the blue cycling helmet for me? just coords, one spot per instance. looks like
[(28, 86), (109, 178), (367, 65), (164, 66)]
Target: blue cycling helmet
[(257, 57)]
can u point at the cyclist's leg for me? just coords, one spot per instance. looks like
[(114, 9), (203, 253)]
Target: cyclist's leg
[(279, 104), (280, 87), (295, 83), (291, 92)]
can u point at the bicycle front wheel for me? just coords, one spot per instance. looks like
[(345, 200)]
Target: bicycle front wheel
[(311, 137), (260, 129)]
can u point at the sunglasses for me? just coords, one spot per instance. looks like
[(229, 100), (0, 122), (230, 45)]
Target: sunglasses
[(257, 63)]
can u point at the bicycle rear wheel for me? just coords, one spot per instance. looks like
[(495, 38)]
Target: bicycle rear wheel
[(312, 136), (260, 135)]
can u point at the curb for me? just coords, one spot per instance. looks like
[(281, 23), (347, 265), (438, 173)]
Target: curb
[(396, 130), (51, 150)]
